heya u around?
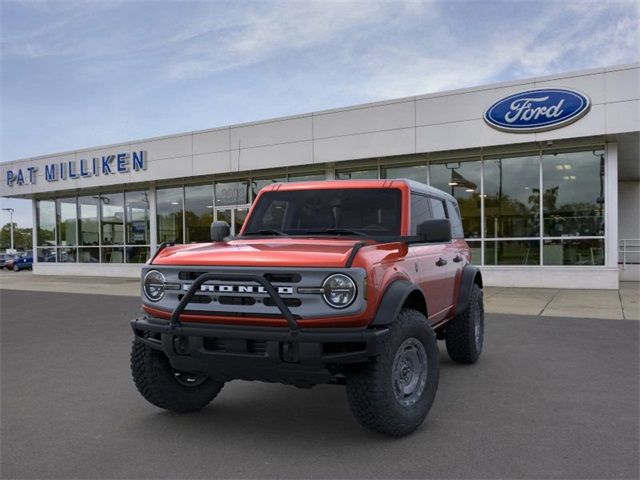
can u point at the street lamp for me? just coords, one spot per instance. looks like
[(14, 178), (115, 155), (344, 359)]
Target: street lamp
[(10, 210)]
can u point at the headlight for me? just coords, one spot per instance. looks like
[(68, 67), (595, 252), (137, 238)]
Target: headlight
[(339, 290), (153, 285)]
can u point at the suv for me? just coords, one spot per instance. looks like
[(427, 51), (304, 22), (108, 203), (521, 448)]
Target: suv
[(343, 282)]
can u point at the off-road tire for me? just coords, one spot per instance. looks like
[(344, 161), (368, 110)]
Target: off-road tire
[(370, 387), (460, 333), (155, 380)]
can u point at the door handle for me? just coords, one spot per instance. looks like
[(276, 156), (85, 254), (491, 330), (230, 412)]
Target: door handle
[(457, 259), (441, 262)]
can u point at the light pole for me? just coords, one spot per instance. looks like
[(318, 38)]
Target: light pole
[(10, 210)]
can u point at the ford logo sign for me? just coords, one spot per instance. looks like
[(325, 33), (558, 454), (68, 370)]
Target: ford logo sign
[(537, 110)]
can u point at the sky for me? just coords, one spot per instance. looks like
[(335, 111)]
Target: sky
[(87, 73)]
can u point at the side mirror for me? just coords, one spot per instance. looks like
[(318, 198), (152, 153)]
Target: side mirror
[(437, 230), (220, 231)]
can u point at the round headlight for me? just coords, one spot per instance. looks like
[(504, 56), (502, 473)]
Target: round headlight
[(339, 290), (153, 285)]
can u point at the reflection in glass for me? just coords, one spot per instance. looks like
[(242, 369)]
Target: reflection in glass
[(512, 252), (198, 212), (67, 255), (137, 217), (512, 197), (413, 172), (67, 221), (47, 255), (88, 221), (89, 255), (573, 199), (462, 180), (232, 193), (239, 216), (476, 251), (112, 216), (258, 184), (112, 254), (308, 177), (572, 251), (137, 254), (169, 212), (364, 174), (46, 221)]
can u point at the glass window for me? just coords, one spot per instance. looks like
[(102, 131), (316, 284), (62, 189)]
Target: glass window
[(371, 211), (307, 177), (112, 217), (454, 218), (258, 184), (573, 251), (46, 219), (198, 211), (112, 255), (137, 217), (512, 197), (88, 233), (67, 221), (412, 172), (363, 174), (437, 208), (232, 193), (47, 255), (476, 251), (512, 252), (169, 211), (89, 254), (420, 211), (67, 255), (573, 199), (462, 181), (137, 254)]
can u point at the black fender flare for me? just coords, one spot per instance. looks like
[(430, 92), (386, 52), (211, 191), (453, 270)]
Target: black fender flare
[(392, 301), (470, 275)]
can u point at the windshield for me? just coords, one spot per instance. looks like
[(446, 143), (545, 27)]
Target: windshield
[(360, 212)]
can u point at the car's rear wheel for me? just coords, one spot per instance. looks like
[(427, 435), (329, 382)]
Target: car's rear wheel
[(394, 392), (165, 387), (464, 335), (16, 268)]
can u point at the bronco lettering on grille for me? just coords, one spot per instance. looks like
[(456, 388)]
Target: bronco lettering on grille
[(259, 289)]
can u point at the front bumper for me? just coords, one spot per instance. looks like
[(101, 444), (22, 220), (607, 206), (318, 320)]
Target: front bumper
[(300, 357)]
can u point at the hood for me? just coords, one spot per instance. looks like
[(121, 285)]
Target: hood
[(272, 252)]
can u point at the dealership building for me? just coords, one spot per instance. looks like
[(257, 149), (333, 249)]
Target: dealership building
[(546, 172)]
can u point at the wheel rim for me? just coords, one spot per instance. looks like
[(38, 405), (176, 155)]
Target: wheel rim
[(189, 379), (409, 372)]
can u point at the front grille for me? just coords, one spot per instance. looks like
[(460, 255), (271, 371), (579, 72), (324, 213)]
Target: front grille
[(229, 300), (272, 277), (231, 345), (289, 302)]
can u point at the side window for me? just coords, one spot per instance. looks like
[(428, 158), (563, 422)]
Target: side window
[(456, 221), (437, 207), (420, 211)]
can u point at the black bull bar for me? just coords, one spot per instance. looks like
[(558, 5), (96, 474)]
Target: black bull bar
[(174, 321)]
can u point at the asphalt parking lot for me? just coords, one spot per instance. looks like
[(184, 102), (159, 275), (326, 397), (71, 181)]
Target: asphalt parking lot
[(550, 398)]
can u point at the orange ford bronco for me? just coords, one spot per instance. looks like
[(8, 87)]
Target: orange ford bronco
[(343, 282)]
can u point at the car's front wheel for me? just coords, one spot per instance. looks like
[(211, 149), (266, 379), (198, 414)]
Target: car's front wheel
[(16, 268), (394, 392), (166, 387)]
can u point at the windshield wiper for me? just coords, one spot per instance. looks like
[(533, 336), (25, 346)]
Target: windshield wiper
[(268, 231), (337, 231)]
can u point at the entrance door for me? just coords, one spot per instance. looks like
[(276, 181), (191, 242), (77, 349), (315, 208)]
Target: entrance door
[(234, 216)]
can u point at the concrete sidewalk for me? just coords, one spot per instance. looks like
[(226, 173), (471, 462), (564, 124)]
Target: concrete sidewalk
[(548, 302)]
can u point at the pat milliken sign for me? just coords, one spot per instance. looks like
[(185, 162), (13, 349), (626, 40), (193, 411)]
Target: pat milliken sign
[(537, 110), (105, 165)]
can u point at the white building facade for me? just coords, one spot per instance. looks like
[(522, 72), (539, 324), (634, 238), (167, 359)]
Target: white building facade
[(546, 172)]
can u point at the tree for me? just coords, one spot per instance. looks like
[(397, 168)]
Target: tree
[(21, 237)]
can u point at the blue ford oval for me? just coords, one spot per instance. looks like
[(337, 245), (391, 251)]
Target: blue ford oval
[(537, 110)]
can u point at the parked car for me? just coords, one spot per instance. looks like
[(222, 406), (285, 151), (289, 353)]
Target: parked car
[(341, 282), (6, 260), (23, 262)]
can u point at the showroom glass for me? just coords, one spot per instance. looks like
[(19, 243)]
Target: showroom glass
[(232, 193), (88, 232), (419, 173), (307, 177), (137, 217), (169, 214), (258, 184), (512, 252), (360, 174), (462, 181), (512, 197), (574, 251), (198, 211), (67, 221), (46, 222), (112, 219), (573, 194)]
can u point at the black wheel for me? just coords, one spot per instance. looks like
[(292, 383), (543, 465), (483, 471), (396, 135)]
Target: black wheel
[(167, 388), (16, 268), (394, 392), (464, 335)]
